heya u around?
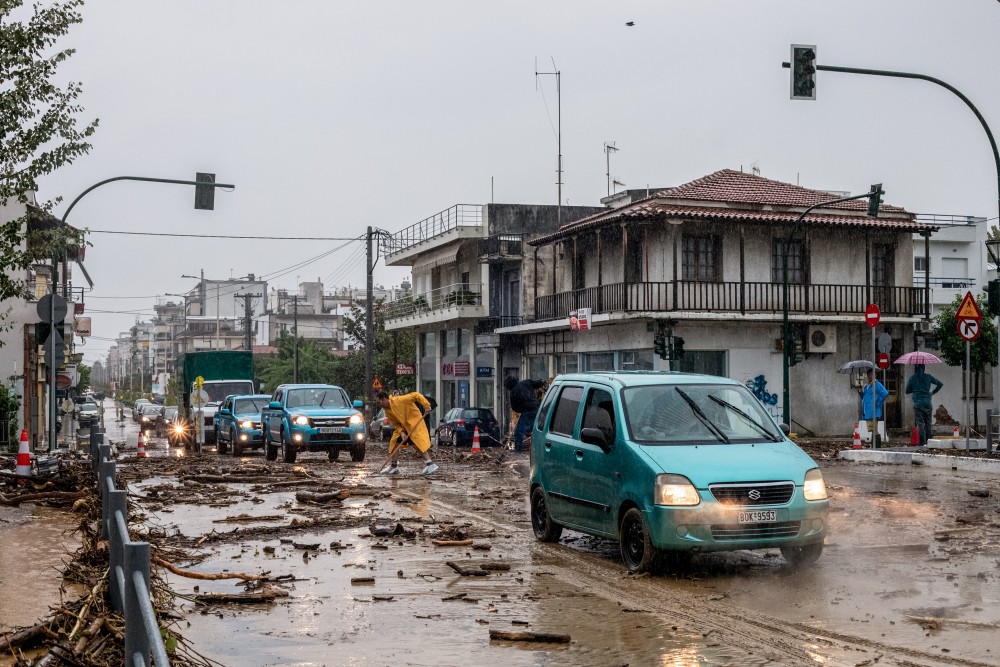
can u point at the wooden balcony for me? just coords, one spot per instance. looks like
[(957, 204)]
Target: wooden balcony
[(739, 298)]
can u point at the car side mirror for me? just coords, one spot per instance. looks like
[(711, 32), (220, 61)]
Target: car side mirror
[(784, 428), (224, 411), (358, 404), (594, 436), (274, 405)]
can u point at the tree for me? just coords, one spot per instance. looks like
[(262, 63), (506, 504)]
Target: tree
[(83, 383), (982, 351), (38, 126), (391, 348), (315, 364)]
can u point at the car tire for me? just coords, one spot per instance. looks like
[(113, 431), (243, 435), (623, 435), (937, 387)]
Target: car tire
[(237, 445), (358, 451), (270, 451), (287, 451), (220, 446), (637, 549), (545, 529), (333, 454), (802, 556)]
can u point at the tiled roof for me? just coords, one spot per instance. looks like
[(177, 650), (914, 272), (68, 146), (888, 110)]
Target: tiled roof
[(740, 197), (265, 349)]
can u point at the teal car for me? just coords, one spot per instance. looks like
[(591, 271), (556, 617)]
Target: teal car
[(312, 418), (670, 464), (237, 423)]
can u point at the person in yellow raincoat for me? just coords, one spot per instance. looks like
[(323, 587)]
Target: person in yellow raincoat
[(406, 414)]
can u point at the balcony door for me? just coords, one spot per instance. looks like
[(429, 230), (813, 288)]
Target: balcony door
[(883, 276)]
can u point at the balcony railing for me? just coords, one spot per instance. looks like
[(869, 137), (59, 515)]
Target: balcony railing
[(459, 215), (488, 325), (437, 299), (733, 298), (944, 283), (500, 246)]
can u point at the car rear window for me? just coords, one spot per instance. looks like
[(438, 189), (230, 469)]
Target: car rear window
[(478, 413)]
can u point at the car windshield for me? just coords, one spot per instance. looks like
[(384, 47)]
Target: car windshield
[(316, 397), (151, 409), (88, 407), (168, 413), (242, 406), (673, 414), (217, 391)]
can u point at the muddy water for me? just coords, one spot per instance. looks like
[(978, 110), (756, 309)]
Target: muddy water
[(881, 565), (34, 543)]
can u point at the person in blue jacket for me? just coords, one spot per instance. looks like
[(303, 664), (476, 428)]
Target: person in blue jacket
[(872, 385), (919, 386)]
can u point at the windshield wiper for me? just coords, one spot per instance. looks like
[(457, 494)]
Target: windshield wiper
[(696, 409), (753, 422)]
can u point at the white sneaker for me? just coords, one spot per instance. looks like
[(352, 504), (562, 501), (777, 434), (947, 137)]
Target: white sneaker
[(429, 468), (390, 469)]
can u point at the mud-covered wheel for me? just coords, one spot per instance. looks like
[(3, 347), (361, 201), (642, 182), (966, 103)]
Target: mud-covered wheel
[(637, 549), (333, 454), (237, 445), (270, 451), (220, 446), (545, 529), (287, 451), (802, 556), (358, 450)]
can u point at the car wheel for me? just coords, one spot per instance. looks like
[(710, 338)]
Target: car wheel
[(545, 529), (438, 438), (802, 556), (237, 445), (358, 451), (270, 451), (220, 446), (333, 454), (287, 451), (637, 550)]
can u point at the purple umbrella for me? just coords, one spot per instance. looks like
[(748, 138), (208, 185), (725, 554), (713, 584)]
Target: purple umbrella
[(918, 358)]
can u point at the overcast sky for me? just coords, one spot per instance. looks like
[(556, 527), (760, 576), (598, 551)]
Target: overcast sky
[(332, 116)]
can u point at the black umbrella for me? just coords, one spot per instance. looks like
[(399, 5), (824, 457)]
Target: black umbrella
[(857, 363)]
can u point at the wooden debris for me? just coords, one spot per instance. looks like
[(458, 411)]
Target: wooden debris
[(452, 543), (201, 575), (312, 497), (466, 572), (48, 495), (307, 547), (527, 636), (21, 637), (268, 594), (247, 518), (495, 566), (362, 581), (934, 622)]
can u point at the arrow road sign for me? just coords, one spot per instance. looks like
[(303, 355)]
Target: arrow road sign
[(969, 329)]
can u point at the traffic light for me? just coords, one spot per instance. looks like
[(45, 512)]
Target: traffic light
[(204, 195), (875, 199), (803, 72), (678, 347), (993, 296), (660, 345), (796, 351)]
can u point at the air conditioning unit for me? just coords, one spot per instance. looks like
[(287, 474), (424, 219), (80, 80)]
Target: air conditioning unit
[(822, 339), (925, 325)]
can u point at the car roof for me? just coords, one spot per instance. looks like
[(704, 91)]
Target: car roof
[(641, 378), (235, 396), (307, 386)]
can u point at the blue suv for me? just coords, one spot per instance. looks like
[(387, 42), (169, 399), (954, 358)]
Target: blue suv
[(312, 418), (237, 423)]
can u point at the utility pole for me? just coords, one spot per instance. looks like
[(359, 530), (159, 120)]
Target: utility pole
[(369, 320), (295, 335), (247, 319), (218, 307)]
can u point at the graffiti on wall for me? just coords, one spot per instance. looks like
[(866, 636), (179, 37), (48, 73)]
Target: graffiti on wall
[(758, 387)]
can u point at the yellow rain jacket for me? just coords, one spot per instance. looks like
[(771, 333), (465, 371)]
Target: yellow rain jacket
[(406, 414)]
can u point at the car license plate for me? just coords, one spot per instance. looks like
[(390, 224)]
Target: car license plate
[(758, 516), (331, 429)]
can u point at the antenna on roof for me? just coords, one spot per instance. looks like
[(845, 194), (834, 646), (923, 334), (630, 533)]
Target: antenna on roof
[(609, 148), (755, 168), (617, 183), (559, 184)]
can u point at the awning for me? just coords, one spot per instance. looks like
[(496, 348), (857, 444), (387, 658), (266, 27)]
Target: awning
[(435, 258)]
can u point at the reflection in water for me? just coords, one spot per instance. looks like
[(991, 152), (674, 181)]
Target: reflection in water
[(34, 543)]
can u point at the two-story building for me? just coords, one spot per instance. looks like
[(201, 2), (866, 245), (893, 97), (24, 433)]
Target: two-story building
[(705, 261)]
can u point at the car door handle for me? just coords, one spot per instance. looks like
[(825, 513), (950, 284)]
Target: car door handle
[(548, 445), (579, 455)]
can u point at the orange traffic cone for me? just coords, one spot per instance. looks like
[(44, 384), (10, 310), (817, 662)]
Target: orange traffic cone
[(857, 437), (915, 437), (23, 457), (140, 448), (956, 434), (475, 441)]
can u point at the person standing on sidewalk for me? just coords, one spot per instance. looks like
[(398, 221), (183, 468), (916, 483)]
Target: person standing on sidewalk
[(524, 401), (406, 414), (873, 387), (919, 385)]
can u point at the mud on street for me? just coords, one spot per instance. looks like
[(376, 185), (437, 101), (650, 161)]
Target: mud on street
[(364, 569)]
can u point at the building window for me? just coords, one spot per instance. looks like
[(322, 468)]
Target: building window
[(701, 258), (919, 263), (538, 368), (793, 252), (883, 264), (567, 363), (450, 343), (599, 361), (428, 344), (706, 362)]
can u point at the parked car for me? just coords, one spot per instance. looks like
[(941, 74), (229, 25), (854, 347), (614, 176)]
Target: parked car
[(380, 427), (458, 426), (312, 417), (179, 432), (137, 409), (672, 464), (164, 419), (237, 423), (86, 413), (148, 415)]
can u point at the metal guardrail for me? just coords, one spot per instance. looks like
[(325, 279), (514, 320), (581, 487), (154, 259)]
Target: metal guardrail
[(459, 215), (128, 566)]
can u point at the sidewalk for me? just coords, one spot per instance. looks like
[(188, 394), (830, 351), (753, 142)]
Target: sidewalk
[(918, 456)]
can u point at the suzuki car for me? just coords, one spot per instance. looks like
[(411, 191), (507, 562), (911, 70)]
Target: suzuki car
[(671, 464)]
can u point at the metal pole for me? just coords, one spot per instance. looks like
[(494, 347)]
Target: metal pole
[(874, 429), (218, 307), (52, 359), (968, 374), (295, 334), (369, 320)]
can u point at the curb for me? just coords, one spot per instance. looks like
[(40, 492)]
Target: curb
[(916, 458)]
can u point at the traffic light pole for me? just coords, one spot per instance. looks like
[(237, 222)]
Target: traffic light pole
[(786, 412)]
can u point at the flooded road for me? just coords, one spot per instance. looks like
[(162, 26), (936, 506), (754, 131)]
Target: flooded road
[(907, 544)]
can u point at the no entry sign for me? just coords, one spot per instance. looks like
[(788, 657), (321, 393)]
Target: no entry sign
[(883, 360), (872, 314)]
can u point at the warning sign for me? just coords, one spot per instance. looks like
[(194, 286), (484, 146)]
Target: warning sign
[(969, 310), (377, 384)]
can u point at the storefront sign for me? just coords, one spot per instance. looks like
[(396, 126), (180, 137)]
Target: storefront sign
[(462, 368), (83, 327), (405, 369), (484, 371), (579, 319)]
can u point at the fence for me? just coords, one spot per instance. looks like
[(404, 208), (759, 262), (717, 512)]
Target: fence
[(128, 566)]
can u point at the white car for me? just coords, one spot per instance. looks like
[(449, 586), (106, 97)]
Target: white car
[(86, 412)]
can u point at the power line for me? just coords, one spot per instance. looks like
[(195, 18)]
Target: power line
[(227, 236)]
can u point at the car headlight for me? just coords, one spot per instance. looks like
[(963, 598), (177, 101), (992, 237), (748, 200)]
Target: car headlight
[(356, 419), (301, 420), (814, 487), (675, 490), (246, 423), (178, 429)]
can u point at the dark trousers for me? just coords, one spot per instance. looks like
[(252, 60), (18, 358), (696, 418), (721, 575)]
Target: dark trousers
[(525, 421), (922, 415)]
